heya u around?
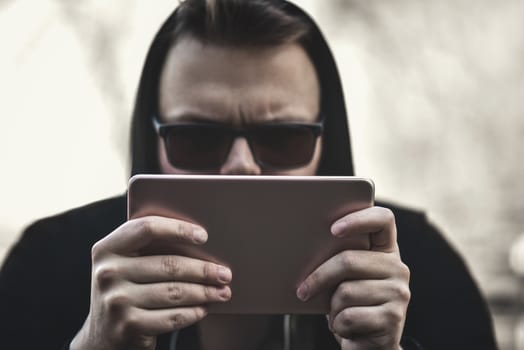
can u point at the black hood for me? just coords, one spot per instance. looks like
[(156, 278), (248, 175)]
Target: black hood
[(336, 151)]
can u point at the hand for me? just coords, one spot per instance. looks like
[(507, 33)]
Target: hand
[(368, 307), (134, 298)]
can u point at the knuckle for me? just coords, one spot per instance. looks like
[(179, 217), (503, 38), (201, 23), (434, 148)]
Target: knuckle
[(97, 251), (394, 315), (184, 231), (355, 219), (171, 266), (131, 323), (174, 292), (344, 324), (199, 313), (346, 293), (389, 216), (346, 317), (207, 271), (209, 293), (105, 275), (177, 321), (405, 294), (313, 280), (346, 259), (144, 225), (116, 303), (404, 271), (402, 292)]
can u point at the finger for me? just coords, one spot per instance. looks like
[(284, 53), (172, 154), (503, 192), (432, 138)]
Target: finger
[(368, 293), (378, 221), (139, 233), (164, 268), (350, 265), (374, 324), (175, 294), (155, 322)]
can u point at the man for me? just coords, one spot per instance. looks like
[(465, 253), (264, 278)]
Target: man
[(83, 280)]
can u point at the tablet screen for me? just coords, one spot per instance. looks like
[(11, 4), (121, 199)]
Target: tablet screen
[(271, 231)]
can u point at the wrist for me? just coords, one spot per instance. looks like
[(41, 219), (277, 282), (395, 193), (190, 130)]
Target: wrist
[(81, 339), (78, 342)]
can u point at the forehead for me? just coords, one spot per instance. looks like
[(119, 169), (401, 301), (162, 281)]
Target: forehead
[(237, 84)]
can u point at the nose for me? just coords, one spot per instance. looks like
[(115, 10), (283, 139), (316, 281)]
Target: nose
[(240, 160)]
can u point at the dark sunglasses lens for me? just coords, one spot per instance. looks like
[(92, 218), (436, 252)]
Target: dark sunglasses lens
[(197, 147), (284, 146)]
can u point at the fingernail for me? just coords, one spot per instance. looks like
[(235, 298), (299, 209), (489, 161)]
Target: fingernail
[(201, 312), (337, 228), (224, 275), (224, 293), (302, 292), (200, 235)]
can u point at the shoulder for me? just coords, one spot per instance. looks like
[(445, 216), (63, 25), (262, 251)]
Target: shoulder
[(94, 220), (72, 232), (432, 259), (412, 224), (419, 239), (102, 211), (53, 255), (60, 246), (405, 217)]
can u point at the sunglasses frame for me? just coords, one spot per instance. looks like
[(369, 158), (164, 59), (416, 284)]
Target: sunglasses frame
[(316, 129)]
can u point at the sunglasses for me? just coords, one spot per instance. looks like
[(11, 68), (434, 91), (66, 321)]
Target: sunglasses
[(206, 145)]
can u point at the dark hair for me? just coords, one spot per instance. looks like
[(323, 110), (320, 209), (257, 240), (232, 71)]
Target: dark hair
[(242, 23), (238, 22)]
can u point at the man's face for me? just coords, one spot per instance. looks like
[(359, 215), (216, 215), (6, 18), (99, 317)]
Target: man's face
[(238, 87)]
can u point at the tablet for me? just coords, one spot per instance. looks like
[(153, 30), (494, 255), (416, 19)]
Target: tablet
[(271, 231)]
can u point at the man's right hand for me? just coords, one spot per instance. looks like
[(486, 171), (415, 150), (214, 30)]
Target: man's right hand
[(135, 297)]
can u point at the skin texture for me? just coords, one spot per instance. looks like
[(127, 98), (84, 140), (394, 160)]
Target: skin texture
[(238, 86), (136, 296)]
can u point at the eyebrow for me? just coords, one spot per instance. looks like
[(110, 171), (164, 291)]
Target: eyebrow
[(190, 117), (208, 119)]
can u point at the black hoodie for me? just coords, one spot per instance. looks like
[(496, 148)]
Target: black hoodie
[(45, 280)]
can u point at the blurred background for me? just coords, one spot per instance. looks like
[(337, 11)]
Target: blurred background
[(435, 91)]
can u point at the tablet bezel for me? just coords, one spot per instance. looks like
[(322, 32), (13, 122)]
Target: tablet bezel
[(272, 231)]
